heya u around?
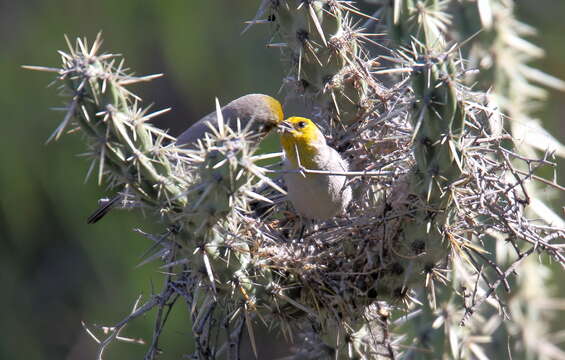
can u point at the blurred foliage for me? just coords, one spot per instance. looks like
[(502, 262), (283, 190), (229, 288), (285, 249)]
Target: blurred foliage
[(56, 270), (547, 18)]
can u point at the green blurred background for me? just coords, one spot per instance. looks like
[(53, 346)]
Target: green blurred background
[(56, 270)]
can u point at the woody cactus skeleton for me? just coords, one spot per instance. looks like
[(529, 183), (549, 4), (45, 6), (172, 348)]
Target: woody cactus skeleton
[(433, 187)]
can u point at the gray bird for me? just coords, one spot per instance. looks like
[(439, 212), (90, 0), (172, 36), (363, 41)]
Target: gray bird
[(263, 111)]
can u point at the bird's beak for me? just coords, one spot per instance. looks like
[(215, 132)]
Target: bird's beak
[(284, 126)]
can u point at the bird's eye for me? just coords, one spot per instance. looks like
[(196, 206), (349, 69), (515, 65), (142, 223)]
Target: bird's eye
[(301, 124)]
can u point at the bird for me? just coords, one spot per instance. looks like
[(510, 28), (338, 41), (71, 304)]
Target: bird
[(265, 112), (315, 196), (260, 112)]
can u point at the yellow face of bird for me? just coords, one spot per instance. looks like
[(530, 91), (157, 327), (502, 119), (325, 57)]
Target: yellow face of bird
[(298, 133), (276, 108), (276, 115)]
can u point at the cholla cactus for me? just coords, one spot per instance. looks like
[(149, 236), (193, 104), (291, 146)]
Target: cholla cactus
[(435, 193)]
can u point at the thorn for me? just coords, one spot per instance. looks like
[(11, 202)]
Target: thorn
[(317, 24), (253, 22), (140, 79), (42, 68), (277, 45)]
